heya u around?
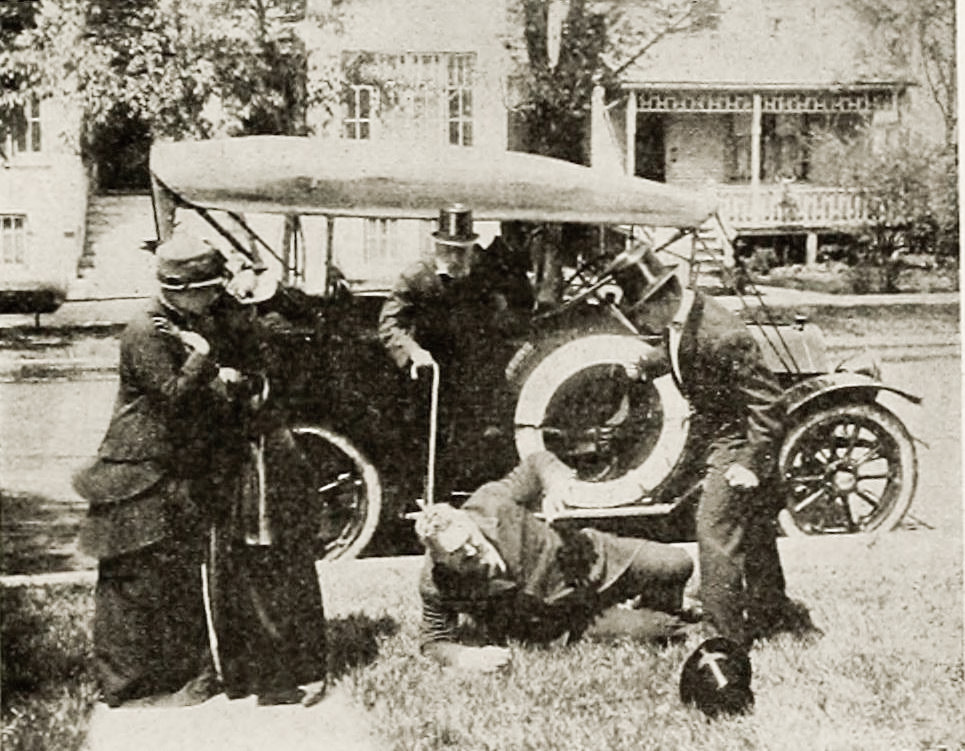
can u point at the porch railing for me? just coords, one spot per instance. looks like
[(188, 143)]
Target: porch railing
[(791, 206)]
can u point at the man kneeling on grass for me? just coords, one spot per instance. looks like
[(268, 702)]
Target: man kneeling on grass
[(517, 577)]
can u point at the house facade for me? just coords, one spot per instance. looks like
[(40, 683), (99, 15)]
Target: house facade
[(426, 73), (755, 111), (43, 200)]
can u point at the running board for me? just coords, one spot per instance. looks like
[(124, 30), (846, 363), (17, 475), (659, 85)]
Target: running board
[(653, 509)]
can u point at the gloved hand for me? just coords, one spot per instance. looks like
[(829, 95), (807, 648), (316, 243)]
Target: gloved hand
[(419, 358), (229, 376), (739, 476), (190, 339)]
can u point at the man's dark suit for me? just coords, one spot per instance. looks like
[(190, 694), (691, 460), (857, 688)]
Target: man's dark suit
[(467, 325), (738, 409), (554, 584)]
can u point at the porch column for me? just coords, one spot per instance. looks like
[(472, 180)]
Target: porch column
[(811, 249), (598, 127), (755, 155), (631, 129)]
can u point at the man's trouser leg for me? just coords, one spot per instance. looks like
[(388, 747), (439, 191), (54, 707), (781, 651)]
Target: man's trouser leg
[(657, 574), (721, 538), (763, 573)]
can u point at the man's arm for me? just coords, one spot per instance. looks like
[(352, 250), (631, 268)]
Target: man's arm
[(760, 399), (396, 320)]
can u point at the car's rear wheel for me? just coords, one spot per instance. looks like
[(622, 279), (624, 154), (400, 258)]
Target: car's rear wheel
[(605, 405), (345, 504), (847, 468)]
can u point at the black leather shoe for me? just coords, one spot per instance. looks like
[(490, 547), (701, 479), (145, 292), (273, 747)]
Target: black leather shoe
[(790, 617), (282, 696)]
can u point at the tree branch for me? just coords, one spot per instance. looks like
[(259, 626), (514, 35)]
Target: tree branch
[(673, 27)]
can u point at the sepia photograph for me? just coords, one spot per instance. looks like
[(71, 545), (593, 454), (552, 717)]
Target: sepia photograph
[(480, 374)]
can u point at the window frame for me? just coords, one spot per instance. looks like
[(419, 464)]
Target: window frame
[(22, 129), (354, 119), (430, 93), (15, 226)]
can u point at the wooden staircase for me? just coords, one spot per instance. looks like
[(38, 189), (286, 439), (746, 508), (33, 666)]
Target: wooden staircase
[(713, 263)]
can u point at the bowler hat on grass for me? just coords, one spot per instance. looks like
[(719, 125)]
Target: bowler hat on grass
[(188, 262), (455, 226), (716, 678)]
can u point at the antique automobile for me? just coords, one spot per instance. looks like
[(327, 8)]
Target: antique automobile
[(584, 381)]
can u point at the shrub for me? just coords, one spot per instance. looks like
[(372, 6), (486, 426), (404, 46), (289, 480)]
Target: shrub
[(910, 189)]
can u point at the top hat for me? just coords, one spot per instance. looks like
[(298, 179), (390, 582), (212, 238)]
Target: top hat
[(455, 226), (716, 678), (188, 262), (655, 273)]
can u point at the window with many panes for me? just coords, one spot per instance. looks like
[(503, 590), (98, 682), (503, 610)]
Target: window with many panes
[(360, 106), (20, 130), (421, 96), (13, 239), (459, 96), (380, 240)]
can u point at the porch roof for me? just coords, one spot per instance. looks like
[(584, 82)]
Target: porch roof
[(761, 44)]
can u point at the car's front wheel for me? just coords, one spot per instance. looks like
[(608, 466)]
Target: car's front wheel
[(847, 468)]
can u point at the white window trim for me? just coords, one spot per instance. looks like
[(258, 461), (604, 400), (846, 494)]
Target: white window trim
[(8, 248), (356, 123), (432, 79)]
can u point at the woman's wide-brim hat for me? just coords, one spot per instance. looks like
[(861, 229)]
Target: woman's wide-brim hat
[(716, 678), (186, 262), (455, 226)]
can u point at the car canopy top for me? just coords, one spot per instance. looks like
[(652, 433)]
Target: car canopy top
[(284, 174)]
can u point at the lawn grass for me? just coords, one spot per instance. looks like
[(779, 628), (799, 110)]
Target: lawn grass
[(48, 688), (887, 675), (896, 322)]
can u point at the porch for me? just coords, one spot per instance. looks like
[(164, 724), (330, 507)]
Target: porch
[(791, 206), (770, 153)]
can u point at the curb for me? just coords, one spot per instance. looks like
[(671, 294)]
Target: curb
[(65, 367), (786, 545)]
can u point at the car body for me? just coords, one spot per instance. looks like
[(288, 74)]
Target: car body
[(365, 432)]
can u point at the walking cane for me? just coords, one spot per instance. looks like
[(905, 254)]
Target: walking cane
[(208, 607), (433, 429)]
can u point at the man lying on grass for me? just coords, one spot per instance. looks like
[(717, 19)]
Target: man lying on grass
[(517, 577)]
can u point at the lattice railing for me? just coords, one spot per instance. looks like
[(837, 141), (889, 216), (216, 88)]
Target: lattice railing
[(791, 205), (721, 100)]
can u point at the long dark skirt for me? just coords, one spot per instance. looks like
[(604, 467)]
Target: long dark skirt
[(149, 627), (266, 601)]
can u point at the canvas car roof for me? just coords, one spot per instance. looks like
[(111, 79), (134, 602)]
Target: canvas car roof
[(284, 174)]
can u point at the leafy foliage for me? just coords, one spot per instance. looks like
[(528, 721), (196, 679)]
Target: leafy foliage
[(910, 189), (597, 38), (912, 36), (185, 68)]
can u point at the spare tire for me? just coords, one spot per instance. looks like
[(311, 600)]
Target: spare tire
[(607, 406)]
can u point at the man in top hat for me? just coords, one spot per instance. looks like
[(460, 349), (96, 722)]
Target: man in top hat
[(739, 411), (458, 308), (518, 577), (145, 525)]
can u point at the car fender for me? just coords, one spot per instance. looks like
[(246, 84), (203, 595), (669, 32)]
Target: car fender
[(835, 387)]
